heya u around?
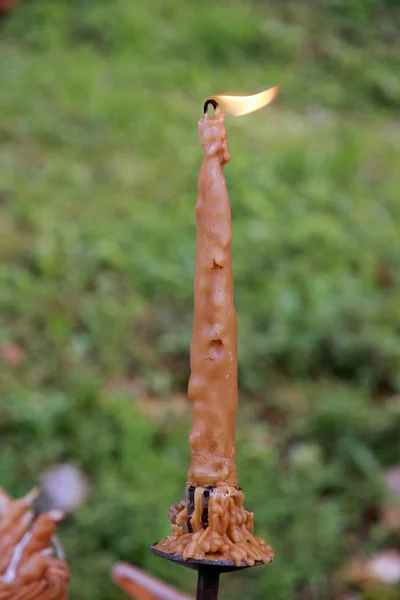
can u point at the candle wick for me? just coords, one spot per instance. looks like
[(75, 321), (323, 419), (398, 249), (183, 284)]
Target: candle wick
[(213, 103)]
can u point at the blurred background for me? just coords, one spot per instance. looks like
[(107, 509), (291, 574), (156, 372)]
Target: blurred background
[(99, 103)]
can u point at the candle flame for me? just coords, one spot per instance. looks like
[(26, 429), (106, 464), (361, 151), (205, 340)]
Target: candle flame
[(243, 105)]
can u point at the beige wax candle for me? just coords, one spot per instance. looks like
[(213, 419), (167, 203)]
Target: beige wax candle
[(213, 351), (212, 523)]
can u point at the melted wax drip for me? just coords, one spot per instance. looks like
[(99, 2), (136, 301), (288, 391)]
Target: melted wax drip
[(228, 535), (28, 571)]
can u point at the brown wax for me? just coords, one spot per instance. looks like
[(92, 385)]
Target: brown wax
[(213, 524), (213, 351), (28, 571), (228, 535)]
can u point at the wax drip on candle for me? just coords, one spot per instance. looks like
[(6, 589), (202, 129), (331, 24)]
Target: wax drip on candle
[(212, 522)]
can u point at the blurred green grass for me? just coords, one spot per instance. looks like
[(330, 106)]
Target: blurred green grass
[(99, 159)]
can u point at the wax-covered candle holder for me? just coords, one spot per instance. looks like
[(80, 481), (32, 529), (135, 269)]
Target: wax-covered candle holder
[(212, 532), (29, 570)]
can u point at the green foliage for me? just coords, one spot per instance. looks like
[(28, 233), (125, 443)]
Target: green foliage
[(98, 165)]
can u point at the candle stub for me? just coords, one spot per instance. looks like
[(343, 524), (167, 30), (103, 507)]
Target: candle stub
[(212, 522), (28, 570)]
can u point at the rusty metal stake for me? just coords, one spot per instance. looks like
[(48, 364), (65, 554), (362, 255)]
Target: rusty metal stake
[(207, 583)]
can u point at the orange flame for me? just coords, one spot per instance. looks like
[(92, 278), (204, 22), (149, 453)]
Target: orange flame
[(243, 105)]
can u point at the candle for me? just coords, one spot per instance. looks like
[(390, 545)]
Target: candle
[(27, 569), (212, 523), (213, 351)]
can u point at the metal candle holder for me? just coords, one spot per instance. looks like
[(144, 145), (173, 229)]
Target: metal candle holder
[(208, 571)]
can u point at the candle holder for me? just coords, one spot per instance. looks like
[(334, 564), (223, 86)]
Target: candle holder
[(208, 571), (28, 568), (212, 532)]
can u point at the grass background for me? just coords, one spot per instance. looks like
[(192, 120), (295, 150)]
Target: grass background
[(99, 160)]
